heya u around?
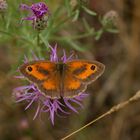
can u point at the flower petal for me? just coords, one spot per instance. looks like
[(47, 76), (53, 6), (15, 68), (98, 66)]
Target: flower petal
[(69, 105), (24, 7), (37, 112)]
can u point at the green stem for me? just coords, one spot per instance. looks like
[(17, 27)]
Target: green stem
[(38, 44), (3, 18), (38, 38)]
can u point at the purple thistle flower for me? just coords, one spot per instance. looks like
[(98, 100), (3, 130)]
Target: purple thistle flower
[(31, 94), (39, 14)]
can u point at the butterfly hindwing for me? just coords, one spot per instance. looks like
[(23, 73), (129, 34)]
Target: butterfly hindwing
[(72, 85), (51, 86)]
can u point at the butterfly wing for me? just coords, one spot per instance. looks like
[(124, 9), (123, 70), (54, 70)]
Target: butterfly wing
[(79, 74), (72, 85), (45, 75), (76, 76)]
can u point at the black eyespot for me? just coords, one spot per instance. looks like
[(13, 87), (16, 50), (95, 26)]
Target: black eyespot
[(29, 69), (92, 67)]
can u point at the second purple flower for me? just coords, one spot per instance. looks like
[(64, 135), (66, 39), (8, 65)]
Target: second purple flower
[(39, 13)]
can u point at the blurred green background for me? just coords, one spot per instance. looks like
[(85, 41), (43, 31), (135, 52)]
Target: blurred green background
[(107, 31)]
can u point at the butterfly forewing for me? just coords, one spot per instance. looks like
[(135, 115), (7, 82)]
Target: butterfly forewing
[(79, 74), (45, 75), (86, 71)]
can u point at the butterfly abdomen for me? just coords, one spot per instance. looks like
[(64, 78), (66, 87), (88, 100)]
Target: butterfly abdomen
[(60, 68)]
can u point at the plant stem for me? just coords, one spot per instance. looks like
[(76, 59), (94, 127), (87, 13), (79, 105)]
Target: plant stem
[(3, 18), (38, 38), (112, 110)]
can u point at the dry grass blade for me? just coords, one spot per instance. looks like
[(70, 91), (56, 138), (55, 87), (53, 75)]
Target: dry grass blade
[(112, 110)]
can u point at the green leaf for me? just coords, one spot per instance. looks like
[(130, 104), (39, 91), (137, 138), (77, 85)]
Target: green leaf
[(87, 26), (92, 13), (112, 30), (68, 7), (98, 34), (77, 12), (45, 41), (75, 45)]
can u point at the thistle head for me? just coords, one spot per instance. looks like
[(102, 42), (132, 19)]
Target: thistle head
[(39, 14), (31, 94)]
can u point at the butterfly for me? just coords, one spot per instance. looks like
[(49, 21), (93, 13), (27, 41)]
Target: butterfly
[(58, 79)]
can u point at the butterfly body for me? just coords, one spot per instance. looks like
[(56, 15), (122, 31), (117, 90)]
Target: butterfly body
[(62, 79)]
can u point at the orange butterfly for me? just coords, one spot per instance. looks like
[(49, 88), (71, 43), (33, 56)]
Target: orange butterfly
[(62, 79)]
